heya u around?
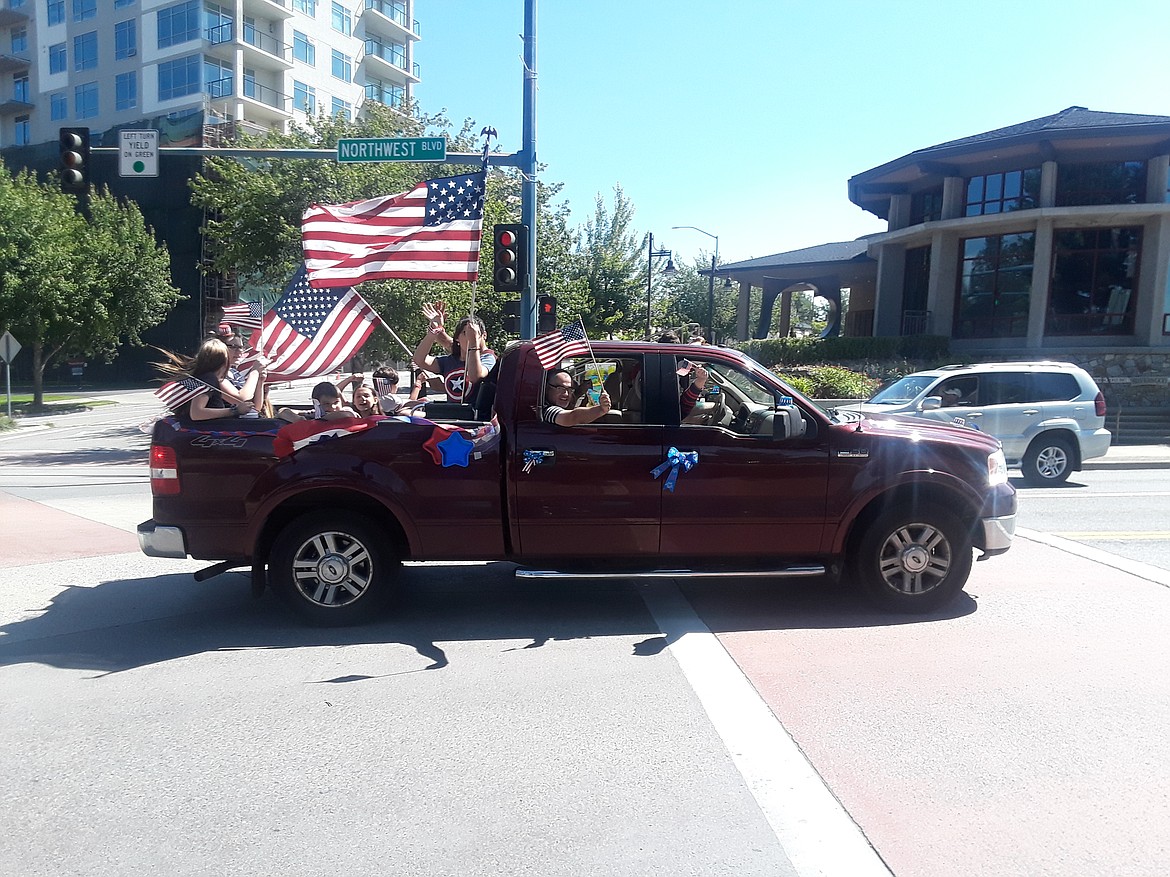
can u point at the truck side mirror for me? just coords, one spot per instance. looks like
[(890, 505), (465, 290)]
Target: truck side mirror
[(787, 421), (930, 403)]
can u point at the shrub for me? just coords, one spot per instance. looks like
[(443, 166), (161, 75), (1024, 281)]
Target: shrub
[(828, 382)]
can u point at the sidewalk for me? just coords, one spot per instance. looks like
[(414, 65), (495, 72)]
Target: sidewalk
[(1132, 457)]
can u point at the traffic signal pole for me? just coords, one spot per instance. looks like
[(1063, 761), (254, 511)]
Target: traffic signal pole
[(528, 170)]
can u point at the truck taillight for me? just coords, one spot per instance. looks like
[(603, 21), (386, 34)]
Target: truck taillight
[(164, 471), (1099, 404)]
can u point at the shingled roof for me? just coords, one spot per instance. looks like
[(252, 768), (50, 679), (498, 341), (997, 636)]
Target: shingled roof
[(1076, 119), (840, 251)]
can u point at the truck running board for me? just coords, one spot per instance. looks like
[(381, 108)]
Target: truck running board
[(788, 572)]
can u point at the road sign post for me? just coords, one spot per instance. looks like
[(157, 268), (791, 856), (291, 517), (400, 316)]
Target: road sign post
[(138, 154), (9, 347), (392, 149)]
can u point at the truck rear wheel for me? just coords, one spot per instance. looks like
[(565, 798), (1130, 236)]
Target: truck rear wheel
[(913, 560), (333, 568)]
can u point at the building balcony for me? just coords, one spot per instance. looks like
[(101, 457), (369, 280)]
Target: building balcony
[(13, 13), (387, 61), (260, 49), (12, 63), (262, 104), (13, 105), (275, 9), (384, 17)]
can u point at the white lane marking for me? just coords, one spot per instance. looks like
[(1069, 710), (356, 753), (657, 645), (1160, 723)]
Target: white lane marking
[(818, 835), (1133, 567), (1054, 492)]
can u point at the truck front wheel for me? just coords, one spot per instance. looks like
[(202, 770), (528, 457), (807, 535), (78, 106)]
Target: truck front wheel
[(913, 560), (333, 568)]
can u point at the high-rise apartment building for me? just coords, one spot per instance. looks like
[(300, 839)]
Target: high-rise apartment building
[(252, 65)]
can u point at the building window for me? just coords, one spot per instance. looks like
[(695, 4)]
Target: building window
[(217, 77), (926, 206), (219, 23), (178, 77), (341, 19), (342, 66), (1094, 278), (1101, 182), (303, 49), (385, 92), (309, 7), (85, 100), (57, 58), (58, 106), (915, 288), (20, 89), (118, 4), (1003, 193), (19, 40), (20, 131), (126, 90), (342, 108), (126, 39), (304, 98), (83, 10), (178, 24), (85, 51), (995, 285), (56, 12)]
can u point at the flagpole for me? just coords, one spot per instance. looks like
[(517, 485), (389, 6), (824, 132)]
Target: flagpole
[(386, 326)]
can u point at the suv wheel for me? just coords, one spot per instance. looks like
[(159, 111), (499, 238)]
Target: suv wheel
[(1048, 461)]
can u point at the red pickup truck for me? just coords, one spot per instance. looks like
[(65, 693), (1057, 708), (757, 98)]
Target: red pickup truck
[(754, 480)]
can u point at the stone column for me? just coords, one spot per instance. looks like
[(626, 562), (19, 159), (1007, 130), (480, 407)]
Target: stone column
[(1048, 184), (742, 307), (891, 274), (1041, 281), (954, 196)]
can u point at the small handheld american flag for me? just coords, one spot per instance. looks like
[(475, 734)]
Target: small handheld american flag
[(554, 346)]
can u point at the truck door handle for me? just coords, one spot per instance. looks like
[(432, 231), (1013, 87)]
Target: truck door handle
[(974, 414), (534, 457)]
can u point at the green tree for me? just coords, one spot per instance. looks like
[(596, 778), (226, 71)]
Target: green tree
[(610, 262), (74, 285), (685, 301)]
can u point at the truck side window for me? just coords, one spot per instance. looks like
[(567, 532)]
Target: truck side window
[(621, 378)]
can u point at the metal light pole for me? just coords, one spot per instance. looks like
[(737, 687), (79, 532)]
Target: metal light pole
[(651, 255), (710, 282)]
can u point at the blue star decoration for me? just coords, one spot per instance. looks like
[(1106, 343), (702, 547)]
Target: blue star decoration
[(456, 450)]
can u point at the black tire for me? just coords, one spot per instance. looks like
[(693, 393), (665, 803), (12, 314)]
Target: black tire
[(333, 568), (1048, 461), (913, 560)]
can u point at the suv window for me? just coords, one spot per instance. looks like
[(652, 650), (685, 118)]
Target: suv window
[(1054, 387), (1005, 388)]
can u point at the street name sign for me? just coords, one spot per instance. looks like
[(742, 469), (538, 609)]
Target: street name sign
[(139, 154), (392, 149)]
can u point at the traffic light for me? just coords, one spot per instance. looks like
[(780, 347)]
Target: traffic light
[(512, 317), (510, 272), (546, 314), (74, 151)]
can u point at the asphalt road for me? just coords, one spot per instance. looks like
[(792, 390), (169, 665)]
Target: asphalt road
[(149, 723)]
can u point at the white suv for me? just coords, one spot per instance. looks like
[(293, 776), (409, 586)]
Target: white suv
[(1049, 416)]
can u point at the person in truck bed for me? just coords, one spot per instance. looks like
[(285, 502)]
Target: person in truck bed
[(327, 405), (558, 394), (468, 363)]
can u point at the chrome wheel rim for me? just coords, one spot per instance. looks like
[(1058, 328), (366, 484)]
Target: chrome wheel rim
[(915, 558), (332, 569), (1051, 462)]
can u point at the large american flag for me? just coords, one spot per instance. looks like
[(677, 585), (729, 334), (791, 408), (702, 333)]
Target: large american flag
[(175, 393), (431, 232), (311, 331), (555, 346), (246, 314)]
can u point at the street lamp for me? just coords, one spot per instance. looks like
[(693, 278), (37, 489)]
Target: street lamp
[(668, 271), (710, 282)]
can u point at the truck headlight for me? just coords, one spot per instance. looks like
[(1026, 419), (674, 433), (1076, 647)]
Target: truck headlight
[(996, 469)]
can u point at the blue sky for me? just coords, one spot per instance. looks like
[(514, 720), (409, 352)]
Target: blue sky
[(746, 118)]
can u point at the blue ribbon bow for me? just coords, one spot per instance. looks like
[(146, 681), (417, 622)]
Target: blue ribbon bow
[(531, 459), (674, 459)]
